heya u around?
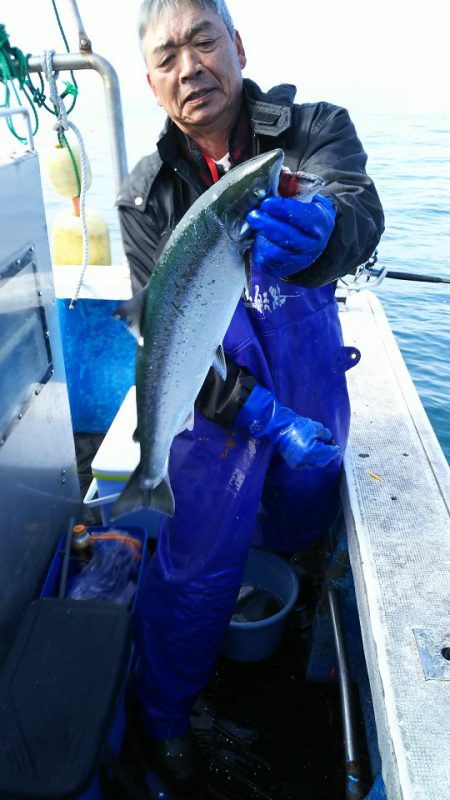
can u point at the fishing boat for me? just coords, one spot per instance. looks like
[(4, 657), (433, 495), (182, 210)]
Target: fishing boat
[(355, 701)]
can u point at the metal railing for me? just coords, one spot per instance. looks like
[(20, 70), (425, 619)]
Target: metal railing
[(114, 115)]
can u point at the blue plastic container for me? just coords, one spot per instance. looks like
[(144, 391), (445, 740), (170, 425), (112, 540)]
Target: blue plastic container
[(51, 583), (253, 641)]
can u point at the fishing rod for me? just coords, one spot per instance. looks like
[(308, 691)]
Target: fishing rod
[(380, 274), (412, 276)]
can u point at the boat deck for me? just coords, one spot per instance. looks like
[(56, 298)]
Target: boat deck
[(396, 502), (396, 495), (264, 732)]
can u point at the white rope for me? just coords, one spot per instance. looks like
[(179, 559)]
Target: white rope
[(63, 123)]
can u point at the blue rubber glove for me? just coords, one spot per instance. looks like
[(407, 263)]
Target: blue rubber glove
[(290, 235), (302, 442)]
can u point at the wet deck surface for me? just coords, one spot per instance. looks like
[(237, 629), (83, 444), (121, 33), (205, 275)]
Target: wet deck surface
[(268, 734), (264, 732)]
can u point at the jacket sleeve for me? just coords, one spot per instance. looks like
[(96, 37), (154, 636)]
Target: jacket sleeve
[(142, 243), (333, 150), (220, 401)]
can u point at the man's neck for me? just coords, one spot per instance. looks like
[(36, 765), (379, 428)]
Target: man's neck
[(213, 139), (214, 147)]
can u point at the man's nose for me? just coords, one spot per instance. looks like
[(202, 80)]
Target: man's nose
[(190, 63)]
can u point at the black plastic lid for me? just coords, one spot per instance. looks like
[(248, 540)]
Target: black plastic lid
[(59, 688)]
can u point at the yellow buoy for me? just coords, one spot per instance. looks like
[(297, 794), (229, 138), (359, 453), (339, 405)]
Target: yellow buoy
[(61, 170), (67, 238), (66, 235)]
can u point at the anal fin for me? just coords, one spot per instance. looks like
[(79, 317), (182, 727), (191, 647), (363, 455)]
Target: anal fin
[(219, 363)]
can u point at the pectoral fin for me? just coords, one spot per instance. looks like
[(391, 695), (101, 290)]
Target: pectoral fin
[(188, 423), (132, 313), (219, 363), (248, 274)]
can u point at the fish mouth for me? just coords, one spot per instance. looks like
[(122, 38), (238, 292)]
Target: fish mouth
[(198, 95)]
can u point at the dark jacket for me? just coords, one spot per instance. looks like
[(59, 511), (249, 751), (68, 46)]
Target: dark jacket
[(316, 137)]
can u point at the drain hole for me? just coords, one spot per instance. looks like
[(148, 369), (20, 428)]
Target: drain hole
[(445, 652)]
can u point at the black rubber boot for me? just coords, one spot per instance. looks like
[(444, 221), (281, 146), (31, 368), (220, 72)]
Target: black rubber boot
[(179, 762)]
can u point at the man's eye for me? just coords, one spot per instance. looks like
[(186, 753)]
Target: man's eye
[(205, 43), (166, 61)]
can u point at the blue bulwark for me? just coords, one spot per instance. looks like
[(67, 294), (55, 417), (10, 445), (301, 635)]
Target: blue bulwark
[(99, 357), (377, 792)]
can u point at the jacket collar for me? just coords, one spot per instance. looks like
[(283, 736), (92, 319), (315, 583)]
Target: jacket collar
[(271, 112), (270, 115)]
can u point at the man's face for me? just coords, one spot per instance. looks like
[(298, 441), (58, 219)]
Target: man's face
[(194, 69)]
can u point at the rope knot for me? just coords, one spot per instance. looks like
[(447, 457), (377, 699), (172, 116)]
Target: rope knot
[(38, 97)]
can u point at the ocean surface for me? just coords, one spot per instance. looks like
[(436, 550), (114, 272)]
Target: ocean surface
[(409, 159)]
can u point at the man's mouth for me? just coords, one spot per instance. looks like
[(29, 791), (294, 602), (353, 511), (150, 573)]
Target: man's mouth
[(196, 95)]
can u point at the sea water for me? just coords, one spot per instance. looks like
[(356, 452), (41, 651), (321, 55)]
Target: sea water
[(409, 158)]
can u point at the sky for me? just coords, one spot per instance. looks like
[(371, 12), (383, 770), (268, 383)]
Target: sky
[(383, 56)]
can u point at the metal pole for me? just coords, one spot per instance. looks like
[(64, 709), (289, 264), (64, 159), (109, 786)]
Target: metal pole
[(354, 789), (75, 61), (83, 38), (65, 560), (10, 112)]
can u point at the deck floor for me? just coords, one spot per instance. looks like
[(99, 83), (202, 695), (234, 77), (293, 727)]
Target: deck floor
[(264, 731)]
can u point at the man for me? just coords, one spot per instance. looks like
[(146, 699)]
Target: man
[(256, 468)]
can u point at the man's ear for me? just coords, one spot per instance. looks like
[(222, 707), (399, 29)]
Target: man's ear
[(152, 87), (240, 49)]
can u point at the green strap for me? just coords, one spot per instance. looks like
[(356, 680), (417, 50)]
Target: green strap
[(15, 77)]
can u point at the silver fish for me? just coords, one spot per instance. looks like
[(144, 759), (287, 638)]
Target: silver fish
[(182, 316)]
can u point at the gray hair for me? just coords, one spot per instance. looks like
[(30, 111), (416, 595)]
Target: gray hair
[(150, 8)]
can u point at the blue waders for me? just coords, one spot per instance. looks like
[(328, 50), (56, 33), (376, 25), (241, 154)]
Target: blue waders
[(231, 491)]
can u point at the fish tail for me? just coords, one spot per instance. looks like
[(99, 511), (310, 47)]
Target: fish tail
[(134, 497)]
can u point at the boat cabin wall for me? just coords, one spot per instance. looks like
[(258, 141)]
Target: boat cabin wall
[(38, 474)]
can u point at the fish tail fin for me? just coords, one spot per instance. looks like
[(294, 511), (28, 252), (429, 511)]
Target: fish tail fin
[(134, 497)]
